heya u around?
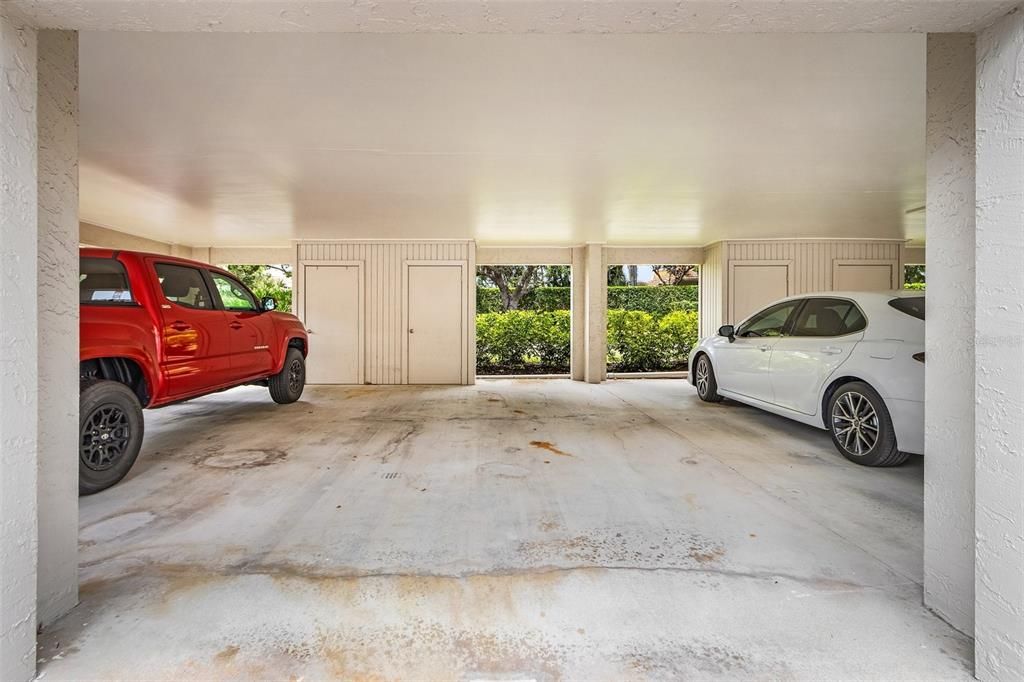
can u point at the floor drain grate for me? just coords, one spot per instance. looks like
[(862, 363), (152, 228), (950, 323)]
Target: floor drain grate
[(392, 474)]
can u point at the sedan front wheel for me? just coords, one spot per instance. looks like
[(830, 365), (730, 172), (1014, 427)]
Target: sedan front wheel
[(704, 380), (861, 427)]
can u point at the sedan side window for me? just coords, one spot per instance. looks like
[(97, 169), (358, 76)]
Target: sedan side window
[(233, 295), (769, 322), (828, 317), (184, 286)]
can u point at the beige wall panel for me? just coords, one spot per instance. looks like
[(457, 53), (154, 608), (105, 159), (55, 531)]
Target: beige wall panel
[(251, 255), (94, 235), (864, 276), (529, 255), (653, 255), (754, 284), (384, 263), (712, 289)]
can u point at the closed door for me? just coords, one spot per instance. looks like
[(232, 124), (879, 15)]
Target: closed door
[(196, 339), (819, 341), (436, 334), (752, 287), (332, 297), (251, 329), (863, 277), (744, 365)]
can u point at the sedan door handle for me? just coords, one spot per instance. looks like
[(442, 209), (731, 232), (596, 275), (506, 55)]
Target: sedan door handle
[(765, 348), (831, 350), (180, 326), (235, 325)]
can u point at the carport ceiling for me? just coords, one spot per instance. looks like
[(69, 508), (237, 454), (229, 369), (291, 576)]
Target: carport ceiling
[(255, 139)]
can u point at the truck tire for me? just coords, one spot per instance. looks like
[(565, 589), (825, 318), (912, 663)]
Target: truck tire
[(109, 435), (286, 386)]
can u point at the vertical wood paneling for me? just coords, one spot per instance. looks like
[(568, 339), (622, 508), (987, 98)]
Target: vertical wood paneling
[(812, 259), (383, 267)]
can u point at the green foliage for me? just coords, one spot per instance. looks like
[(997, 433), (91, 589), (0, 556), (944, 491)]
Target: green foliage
[(657, 301), (616, 276), (517, 339), (639, 342), (678, 332), (634, 344), (914, 286), (913, 274), (267, 280)]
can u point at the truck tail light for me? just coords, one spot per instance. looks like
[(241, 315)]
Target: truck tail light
[(919, 357)]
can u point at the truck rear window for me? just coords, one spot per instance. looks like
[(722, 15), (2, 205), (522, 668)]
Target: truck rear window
[(103, 281), (913, 306)]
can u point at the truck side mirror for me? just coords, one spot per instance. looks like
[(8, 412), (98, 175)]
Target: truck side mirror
[(268, 303), (729, 331)]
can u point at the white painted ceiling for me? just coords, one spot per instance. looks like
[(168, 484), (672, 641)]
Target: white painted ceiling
[(255, 139)]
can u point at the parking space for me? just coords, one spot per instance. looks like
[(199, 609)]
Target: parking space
[(512, 529)]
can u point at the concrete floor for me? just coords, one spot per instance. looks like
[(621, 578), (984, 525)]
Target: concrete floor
[(511, 530)]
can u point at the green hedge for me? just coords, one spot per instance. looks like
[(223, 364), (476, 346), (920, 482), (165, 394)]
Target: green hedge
[(640, 342), (656, 300), (914, 286), (527, 340), (520, 339)]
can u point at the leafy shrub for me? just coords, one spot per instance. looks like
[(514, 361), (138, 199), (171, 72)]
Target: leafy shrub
[(678, 334), (914, 286), (518, 339), (634, 341), (553, 339)]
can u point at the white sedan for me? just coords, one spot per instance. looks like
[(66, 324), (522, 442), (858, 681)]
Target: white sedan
[(850, 363)]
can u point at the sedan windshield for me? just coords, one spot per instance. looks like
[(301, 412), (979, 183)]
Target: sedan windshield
[(913, 306)]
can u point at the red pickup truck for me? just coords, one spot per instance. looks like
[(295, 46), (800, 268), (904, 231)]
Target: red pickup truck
[(157, 330)]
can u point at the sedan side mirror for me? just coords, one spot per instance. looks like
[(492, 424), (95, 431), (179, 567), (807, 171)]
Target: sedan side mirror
[(268, 303), (729, 331)]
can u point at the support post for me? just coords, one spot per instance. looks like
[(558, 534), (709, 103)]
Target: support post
[(19, 375), (57, 303), (999, 352), (578, 354), (596, 306), (949, 339)]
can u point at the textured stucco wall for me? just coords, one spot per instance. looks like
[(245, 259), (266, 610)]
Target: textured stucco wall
[(18, 373), (999, 348), (58, 323), (949, 343)]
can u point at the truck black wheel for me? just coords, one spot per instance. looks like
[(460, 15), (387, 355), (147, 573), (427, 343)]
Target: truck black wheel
[(286, 386), (109, 435)]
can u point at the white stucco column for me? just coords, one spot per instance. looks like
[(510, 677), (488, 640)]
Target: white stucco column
[(999, 352), (596, 306), (949, 343), (578, 356), (58, 323), (18, 360)]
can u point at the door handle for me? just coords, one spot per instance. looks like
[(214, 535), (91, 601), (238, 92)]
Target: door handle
[(831, 350), (180, 326), (235, 325), (410, 331), (309, 331), (765, 348)]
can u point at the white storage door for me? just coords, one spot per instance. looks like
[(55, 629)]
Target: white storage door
[(753, 286), (436, 334), (332, 296)]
